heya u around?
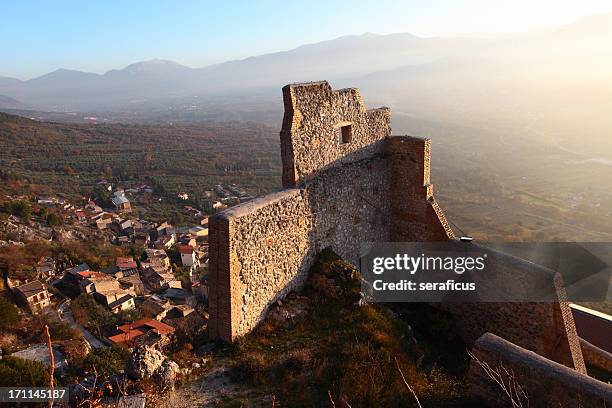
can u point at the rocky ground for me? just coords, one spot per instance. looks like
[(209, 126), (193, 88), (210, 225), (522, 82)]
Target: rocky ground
[(16, 231), (19, 231), (315, 344), (213, 389)]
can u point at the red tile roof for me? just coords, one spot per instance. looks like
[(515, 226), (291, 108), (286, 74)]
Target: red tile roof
[(126, 336), (186, 249), (92, 274), (147, 325), (126, 263)]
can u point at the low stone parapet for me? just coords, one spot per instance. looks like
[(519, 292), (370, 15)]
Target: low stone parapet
[(501, 373)]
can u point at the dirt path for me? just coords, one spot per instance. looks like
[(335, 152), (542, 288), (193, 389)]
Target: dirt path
[(65, 314)]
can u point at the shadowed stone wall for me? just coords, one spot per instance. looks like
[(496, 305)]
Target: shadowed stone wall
[(596, 357), (339, 194), (544, 327), (311, 132)]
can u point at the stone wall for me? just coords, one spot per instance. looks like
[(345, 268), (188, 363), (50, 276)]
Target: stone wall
[(258, 252), (351, 205), (416, 215), (541, 382), (596, 357), (311, 130), (544, 327), (534, 326), (263, 249), (339, 195), (341, 192)]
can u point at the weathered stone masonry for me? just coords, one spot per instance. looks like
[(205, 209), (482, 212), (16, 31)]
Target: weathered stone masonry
[(338, 194), (347, 181), (257, 253)]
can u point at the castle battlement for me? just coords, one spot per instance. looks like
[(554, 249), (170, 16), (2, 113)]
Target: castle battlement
[(323, 128), (348, 181)]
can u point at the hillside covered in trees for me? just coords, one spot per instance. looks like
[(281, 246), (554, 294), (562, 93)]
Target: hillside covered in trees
[(70, 158)]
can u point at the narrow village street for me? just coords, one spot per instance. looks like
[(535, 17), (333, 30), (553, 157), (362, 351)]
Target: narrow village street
[(65, 314)]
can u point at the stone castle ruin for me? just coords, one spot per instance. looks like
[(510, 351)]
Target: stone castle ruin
[(346, 181)]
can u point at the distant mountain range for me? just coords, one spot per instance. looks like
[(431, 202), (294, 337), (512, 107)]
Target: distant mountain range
[(408, 72), (350, 56), (10, 103)]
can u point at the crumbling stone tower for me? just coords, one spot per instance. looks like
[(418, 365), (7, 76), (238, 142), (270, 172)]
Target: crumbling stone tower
[(346, 181)]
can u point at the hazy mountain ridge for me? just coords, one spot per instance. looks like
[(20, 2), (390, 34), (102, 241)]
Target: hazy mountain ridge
[(343, 57), (10, 103), (527, 76), (349, 56)]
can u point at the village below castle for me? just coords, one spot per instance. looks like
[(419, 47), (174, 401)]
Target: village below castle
[(149, 281)]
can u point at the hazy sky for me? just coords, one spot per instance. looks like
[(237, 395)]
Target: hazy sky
[(41, 36)]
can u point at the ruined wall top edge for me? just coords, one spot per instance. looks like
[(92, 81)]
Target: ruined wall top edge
[(324, 128), (258, 203)]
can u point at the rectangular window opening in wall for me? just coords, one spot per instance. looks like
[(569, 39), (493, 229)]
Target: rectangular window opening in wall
[(346, 134)]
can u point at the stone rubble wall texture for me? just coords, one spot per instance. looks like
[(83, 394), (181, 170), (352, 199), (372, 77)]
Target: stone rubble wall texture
[(263, 249), (545, 327), (545, 383), (314, 114), (374, 189), (534, 326), (266, 247)]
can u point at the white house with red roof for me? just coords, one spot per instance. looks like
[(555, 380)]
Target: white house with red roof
[(188, 255)]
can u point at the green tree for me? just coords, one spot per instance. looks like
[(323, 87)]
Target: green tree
[(91, 314), (8, 176), (177, 219), (183, 273), (59, 330), (102, 196), (9, 315), (106, 361), (16, 372), (21, 209), (53, 220), (108, 172), (128, 316)]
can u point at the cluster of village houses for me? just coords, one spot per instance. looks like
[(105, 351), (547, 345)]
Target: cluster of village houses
[(150, 286), (130, 284)]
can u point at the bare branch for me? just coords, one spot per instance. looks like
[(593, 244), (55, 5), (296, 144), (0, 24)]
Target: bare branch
[(331, 400), (345, 401), (505, 380), (406, 382), (51, 364)]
